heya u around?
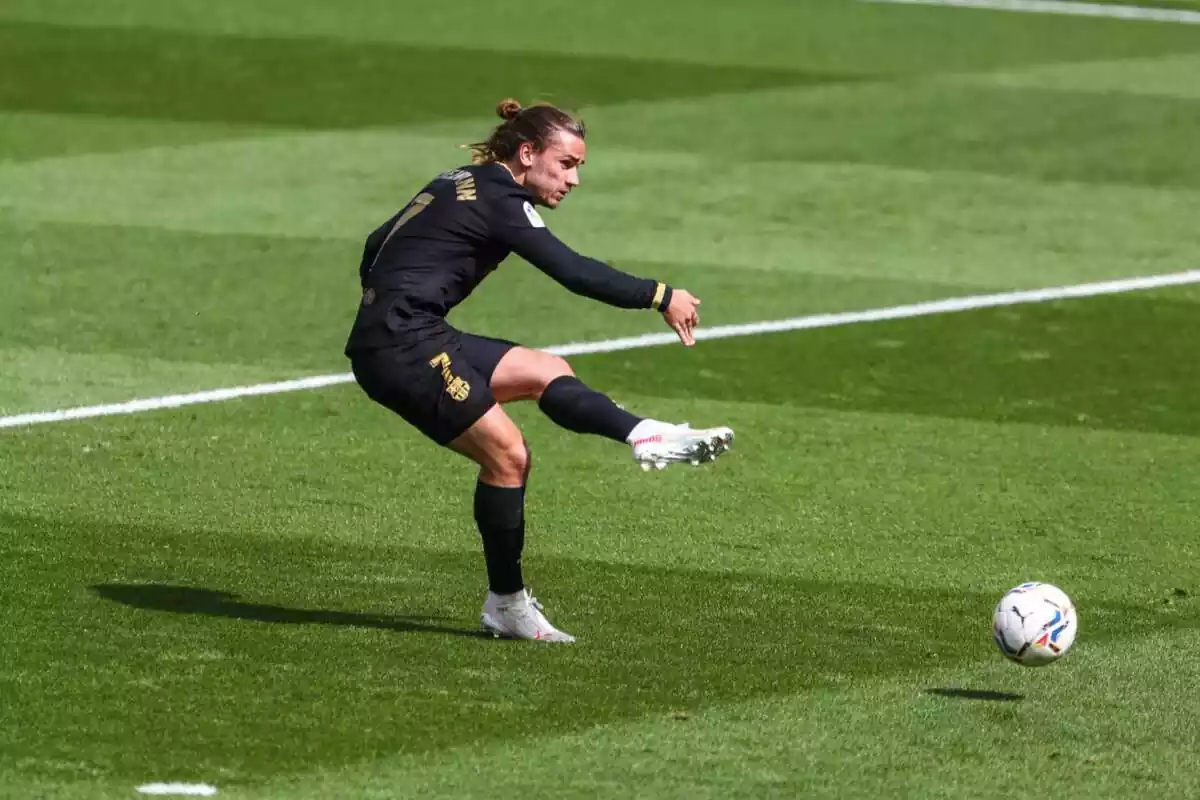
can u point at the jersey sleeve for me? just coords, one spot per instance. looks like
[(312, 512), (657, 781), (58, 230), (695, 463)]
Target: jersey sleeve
[(519, 227)]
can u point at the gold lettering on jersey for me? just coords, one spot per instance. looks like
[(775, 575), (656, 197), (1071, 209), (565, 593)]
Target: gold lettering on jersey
[(456, 387), (464, 188), (464, 183)]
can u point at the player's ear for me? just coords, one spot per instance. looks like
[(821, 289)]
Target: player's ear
[(525, 153)]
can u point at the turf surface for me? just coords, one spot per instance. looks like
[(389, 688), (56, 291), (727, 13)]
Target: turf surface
[(278, 596)]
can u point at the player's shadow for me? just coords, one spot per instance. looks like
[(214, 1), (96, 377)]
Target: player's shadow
[(190, 600), (976, 694)]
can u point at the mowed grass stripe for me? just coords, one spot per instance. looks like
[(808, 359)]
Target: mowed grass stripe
[(267, 596), (820, 492), (27, 136), (947, 306), (958, 509), (314, 606), (314, 83), (1050, 161), (237, 300), (938, 124), (958, 725), (764, 33), (47, 376), (842, 216), (1163, 76)]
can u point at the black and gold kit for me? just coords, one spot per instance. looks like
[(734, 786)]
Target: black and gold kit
[(427, 259)]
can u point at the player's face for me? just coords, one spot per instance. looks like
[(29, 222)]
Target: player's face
[(554, 171)]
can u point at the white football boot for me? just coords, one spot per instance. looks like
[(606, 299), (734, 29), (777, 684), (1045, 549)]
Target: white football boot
[(519, 616), (657, 444)]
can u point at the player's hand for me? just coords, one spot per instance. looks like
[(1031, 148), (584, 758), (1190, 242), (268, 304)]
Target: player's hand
[(682, 315)]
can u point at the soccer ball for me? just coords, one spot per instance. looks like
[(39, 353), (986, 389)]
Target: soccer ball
[(1035, 624)]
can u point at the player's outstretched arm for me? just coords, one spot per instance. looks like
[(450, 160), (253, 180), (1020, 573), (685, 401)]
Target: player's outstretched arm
[(597, 280), (587, 276)]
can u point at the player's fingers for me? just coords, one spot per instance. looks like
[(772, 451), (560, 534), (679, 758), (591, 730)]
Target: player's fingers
[(685, 335)]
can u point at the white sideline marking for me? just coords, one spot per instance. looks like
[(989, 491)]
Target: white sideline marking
[(1144, 13), (174, 400), (947, 306), (201, 789)]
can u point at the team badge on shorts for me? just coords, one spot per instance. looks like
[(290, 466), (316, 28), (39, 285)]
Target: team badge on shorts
[(456, 387)]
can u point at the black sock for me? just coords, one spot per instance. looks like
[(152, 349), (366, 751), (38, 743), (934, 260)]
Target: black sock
[(569, 403), (500, 515)]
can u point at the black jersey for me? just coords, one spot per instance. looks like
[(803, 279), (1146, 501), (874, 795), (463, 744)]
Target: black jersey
[(432, 254)]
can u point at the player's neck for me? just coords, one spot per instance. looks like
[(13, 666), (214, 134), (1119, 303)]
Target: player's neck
[(519, 177)]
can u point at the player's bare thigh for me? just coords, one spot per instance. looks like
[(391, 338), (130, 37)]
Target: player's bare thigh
[(524, 373)]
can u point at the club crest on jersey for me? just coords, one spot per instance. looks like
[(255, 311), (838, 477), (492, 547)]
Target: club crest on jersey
[(535, 219)]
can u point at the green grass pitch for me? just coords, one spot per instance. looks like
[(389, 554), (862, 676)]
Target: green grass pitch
[(278, 596)]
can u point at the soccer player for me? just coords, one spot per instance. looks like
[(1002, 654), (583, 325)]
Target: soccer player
[(450, 385)]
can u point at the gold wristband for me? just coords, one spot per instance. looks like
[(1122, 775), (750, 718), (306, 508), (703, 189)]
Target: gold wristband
[(659, 293)]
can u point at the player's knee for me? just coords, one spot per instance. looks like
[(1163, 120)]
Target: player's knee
[(556, 367), (511, 461)]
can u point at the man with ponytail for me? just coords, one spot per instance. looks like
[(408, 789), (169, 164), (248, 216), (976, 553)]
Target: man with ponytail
[(450, 385)]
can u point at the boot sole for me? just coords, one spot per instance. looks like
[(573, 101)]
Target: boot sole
[(701, 452)]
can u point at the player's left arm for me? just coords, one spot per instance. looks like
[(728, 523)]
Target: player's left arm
[(588, 276), (521, 229)]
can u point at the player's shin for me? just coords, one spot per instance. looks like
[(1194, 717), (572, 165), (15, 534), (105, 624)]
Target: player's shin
[(571, 404), (500, 515)]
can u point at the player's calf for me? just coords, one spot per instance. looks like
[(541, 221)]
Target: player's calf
[(572, 404)]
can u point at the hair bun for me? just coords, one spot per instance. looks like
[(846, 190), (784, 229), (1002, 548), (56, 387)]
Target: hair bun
[(508, 109)]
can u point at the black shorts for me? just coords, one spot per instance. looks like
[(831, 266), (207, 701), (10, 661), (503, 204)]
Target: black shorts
[(441, 387)]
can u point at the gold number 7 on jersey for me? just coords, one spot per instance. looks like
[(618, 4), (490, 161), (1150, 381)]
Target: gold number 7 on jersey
[(418, 204)]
